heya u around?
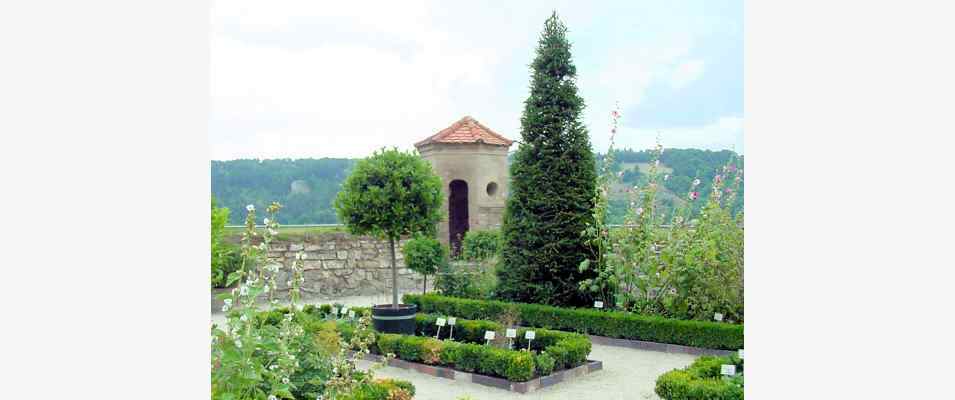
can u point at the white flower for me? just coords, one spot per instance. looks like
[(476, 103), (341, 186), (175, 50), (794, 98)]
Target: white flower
[(656, 163), (640, 211), (265, 221), (696, 182), (244, 318), (265, 288), (273, 366), (667, 176), (243, 290), (272, 396), (238, 343), (250, 208), (225, 308), (285, 381), (273, 232), (228, 302)]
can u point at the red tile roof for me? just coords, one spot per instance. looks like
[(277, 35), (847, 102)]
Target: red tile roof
[(467, 130)]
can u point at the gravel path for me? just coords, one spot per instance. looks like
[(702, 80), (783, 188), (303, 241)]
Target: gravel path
[(627, 373)]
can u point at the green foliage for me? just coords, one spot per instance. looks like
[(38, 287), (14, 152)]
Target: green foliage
[(686, 165), (513, 365), (566, 348), (225, 257), (424, 255), (390, 194), (237, 183), (481, 245), (552, 182), (701, 381), (467, 281), (544, 363), (616, 324)]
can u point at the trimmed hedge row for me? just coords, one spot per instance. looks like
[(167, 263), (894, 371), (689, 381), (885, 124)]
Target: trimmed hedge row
[(701, 381), (513, 365), (616, 324), (567, 349)]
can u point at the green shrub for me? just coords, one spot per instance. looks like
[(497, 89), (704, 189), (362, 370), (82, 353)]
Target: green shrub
[(481, 245), (616, 324), (424, 255), (226, 257), (467, 281), (700, 381), (383, 389), (544, 363), (388, 343)]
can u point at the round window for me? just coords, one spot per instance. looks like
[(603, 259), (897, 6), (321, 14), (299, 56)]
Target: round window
[(491, 189)]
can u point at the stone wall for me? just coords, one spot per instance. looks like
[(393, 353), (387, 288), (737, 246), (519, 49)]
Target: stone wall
[(340, 264)]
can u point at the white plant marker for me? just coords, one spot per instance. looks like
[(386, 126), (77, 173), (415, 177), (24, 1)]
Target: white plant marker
[(529, 335), (351, 314), (740, 354), (510, 334), (335, 312), (440, 322), (728, 369), (718, 317), (599, 305), (452, 321), (488, 337)]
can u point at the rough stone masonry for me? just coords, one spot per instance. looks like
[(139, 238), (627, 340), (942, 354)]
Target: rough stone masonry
[(341, 264)]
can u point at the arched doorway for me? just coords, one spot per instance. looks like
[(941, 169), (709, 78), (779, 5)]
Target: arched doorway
[(457, 214)]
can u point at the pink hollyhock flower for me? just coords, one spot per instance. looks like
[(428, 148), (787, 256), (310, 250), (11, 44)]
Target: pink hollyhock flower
[(694, 195), (718, 179)]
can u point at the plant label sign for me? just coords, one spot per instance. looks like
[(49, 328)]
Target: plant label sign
[(452, 321), (598, 304), (529, 335), (441, 321), (335, 311), (728, 369), (344, 310), (511, 333), (351, 314), (740, 354), (718, 317), (489, 335)]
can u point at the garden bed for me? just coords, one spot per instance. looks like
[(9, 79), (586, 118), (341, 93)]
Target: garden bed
[(645, 329), (500, 383), (703, 380)]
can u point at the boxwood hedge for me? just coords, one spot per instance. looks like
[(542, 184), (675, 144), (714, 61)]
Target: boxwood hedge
[(701, 381), (615, 324)]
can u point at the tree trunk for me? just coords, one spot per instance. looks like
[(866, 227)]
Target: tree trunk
[(425, 291), (394, 275)]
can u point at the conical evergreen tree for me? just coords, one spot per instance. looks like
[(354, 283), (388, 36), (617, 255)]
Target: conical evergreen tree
[(553, 179)]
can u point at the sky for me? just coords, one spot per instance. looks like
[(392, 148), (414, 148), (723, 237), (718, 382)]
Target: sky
[(312, 79)]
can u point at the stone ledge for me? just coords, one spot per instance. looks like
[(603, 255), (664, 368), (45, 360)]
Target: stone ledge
[(654, 346), (500, 383)]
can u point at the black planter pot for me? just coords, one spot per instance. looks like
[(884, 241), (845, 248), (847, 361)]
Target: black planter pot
[(394, 320)]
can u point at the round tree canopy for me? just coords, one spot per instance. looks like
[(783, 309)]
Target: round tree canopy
[(390, 194)]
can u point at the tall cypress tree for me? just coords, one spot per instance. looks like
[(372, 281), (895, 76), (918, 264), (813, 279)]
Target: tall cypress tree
[(553, 179)]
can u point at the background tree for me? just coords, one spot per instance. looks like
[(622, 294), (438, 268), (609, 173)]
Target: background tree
[(553, 178), (390, 194), (424, 255)]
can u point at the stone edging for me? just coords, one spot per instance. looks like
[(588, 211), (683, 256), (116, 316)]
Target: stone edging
[(500, 383), (654, 346)]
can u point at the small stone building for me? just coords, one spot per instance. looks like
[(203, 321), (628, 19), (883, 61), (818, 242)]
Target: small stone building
[(471, 160)]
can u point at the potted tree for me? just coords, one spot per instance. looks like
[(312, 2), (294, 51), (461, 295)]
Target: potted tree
[(424, 254), (388, 195)]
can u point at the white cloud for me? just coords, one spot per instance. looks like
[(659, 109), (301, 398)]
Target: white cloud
[(686, 73)]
